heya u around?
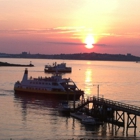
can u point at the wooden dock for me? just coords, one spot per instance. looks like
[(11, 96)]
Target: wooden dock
[(112, 111)]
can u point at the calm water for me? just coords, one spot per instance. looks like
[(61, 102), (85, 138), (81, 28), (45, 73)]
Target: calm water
[(36, 118)]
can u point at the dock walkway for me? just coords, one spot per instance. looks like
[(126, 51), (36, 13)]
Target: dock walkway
[(113, 111)]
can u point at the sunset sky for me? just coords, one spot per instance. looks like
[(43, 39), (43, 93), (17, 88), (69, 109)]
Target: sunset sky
[(70, 26)]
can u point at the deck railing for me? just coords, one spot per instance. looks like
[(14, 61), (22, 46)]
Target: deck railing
[(113, 104)]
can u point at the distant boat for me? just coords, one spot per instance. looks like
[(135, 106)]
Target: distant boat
[(52, 87), (61, 68)]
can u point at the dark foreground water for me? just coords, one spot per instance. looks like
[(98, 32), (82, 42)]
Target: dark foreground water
[(30, 118)]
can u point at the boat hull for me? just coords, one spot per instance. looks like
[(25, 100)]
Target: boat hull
[(50, 94)]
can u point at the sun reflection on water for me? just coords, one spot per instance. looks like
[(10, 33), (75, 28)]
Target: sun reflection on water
[(88, 82)]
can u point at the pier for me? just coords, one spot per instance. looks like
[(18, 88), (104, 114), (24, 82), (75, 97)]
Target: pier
[(114, 112)]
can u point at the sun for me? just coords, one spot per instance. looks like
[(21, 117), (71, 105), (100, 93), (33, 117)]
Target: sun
[(89, 41)]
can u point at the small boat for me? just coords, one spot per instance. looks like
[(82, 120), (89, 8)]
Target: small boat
[(58, 68), (91, 121), (64, 108), (52, 87), (88, 120)]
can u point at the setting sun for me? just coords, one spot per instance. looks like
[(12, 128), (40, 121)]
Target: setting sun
[(89, 41)]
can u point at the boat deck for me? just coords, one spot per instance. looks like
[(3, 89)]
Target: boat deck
[(78, 116), (81, 116)]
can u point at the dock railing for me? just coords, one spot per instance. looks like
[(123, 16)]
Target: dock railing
[(113, 104)]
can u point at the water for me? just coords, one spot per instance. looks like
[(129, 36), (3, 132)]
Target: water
[(37, 118)]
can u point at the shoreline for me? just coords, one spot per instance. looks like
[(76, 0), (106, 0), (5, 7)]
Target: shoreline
[(15, 65)]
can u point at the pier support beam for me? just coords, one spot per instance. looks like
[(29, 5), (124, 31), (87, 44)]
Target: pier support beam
[(131, 122), (120, 117), (119, 120)]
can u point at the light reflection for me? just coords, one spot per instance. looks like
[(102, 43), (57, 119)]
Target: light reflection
[(88, 82), (88, 62), (35, 104)]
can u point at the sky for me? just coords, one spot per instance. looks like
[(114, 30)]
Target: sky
[(70, 26)]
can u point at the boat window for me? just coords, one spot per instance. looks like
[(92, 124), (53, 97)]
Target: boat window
[(55, 84)]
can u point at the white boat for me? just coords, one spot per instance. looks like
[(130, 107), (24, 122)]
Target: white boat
[(58, 68), (53, 87), (64, 108), (88, 120)]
